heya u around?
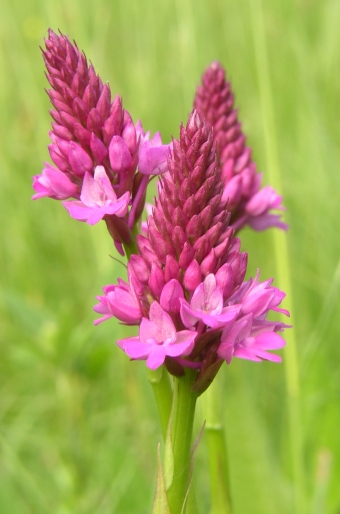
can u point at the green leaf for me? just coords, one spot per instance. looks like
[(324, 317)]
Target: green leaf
[(160, 504), (168, 459)]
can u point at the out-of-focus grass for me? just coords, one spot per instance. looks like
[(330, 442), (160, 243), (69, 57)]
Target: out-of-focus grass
[(78, 430)]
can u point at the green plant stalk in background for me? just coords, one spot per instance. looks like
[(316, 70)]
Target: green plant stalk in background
[(217, 452), (282, 259)]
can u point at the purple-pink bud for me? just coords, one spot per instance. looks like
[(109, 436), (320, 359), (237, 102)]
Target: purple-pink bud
[(79, 160), (170, 297), (98, 149), (119, 153), (156, 281), (192, 276)]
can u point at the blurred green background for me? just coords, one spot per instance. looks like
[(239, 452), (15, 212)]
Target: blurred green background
[(78, 427)]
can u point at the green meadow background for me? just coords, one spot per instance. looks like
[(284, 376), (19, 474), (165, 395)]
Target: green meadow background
[(78, 426)]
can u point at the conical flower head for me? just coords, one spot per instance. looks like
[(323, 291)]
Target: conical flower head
[(214, 102), (190, 221), (93, 136), (190, 271), (88, 129)]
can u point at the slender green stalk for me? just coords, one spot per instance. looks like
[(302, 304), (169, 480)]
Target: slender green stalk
[(162, 390), (132, 247), (217, 452), (282, 259), (178, 458)]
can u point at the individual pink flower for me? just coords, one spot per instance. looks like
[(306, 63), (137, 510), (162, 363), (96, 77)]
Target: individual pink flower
[(258, 297), (259, 207), (207, 305), (119, 301), (158, 339), (53, 183), (240, 340), (97, 199), (152, 154)]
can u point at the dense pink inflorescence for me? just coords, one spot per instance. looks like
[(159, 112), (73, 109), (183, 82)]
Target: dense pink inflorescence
[(248, 204), (90, 132), (185, 288), (190, 272)]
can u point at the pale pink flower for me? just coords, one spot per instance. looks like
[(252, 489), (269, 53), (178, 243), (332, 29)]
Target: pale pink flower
[(207, 305), (158, 339), (152, 154), (240, 340), (97, 199)]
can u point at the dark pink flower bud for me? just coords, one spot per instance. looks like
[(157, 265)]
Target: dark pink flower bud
[(171, 268), (119, 153), (79, 160), (225, 280), (57, 158), (192, 276), (209, 263), (98, 149), (156, 281), (170, 297), (139, 268), (129, 133)]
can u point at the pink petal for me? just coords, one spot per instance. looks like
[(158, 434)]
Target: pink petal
[(156, 357)]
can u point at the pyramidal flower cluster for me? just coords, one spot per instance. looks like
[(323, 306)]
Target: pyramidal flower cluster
[(186, 288), (103, 161), (248, 204)]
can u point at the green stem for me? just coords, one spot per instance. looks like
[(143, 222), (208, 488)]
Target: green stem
[(132, 247), (162, 390), (217, 453), (178, 458), (282, 260)]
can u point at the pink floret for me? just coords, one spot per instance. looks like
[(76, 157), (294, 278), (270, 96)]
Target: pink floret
[(158, 339), (152, 155), (53, 183), (119, 301), (97, 199)]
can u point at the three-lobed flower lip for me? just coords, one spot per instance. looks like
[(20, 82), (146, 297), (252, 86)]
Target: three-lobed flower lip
[(207, 305), (97, 199), (158, 339)]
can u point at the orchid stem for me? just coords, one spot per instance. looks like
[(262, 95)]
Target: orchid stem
[(162, 390), (178, 456)]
